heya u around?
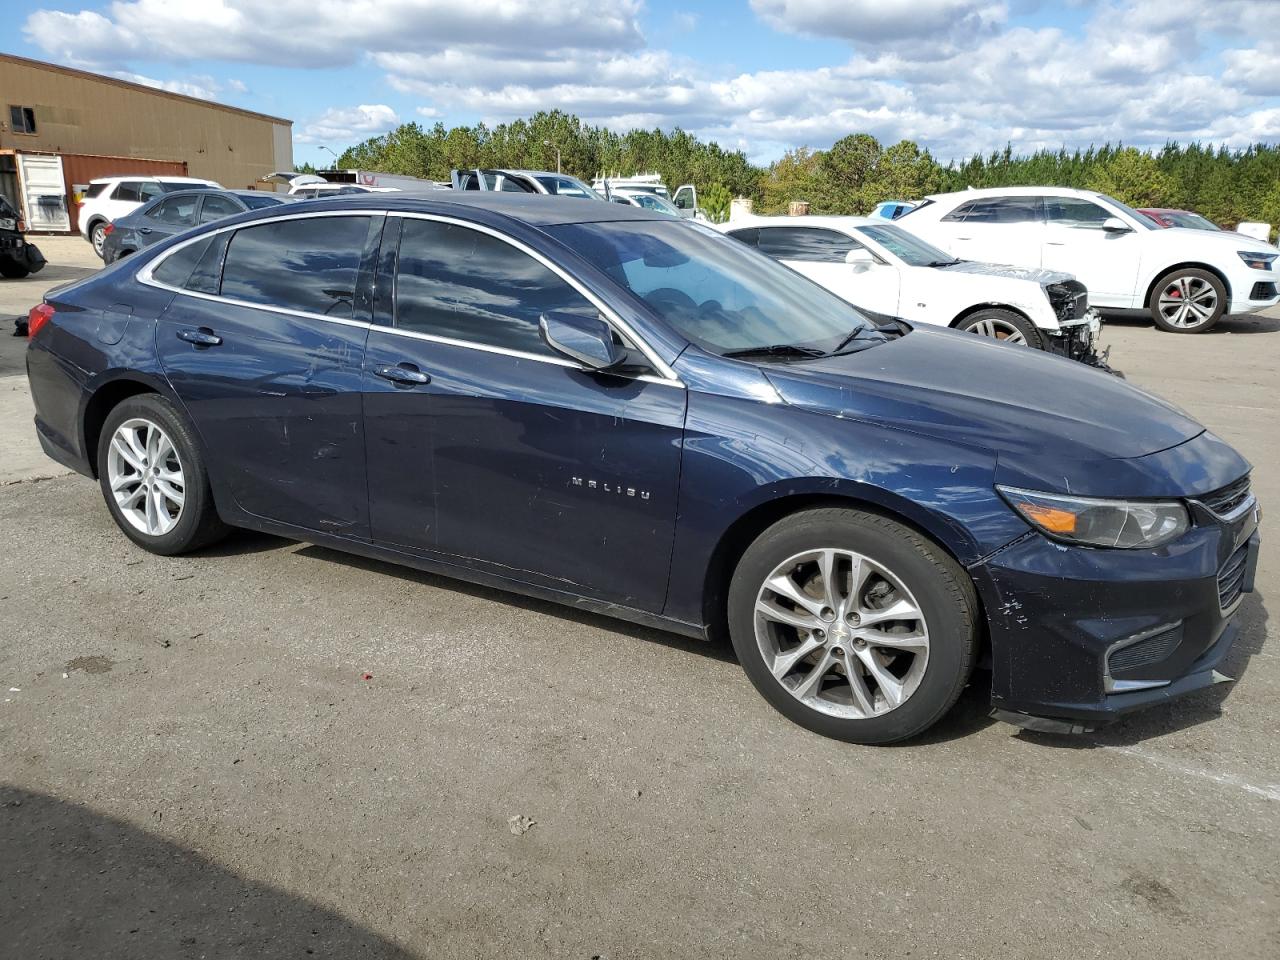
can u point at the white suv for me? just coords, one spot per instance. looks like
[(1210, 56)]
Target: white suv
[(1186, 279), (110, 197)]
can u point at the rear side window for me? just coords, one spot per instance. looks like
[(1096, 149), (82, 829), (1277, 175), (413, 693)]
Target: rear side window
[(149, 190), (128, 191), (309, 265), (805, 243), (466, 285), (175, 269), (95, 189), (998, 210), (180, 211), (216, 207)]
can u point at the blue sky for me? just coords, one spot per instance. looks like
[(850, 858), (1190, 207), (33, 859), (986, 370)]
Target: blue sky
[(758, 75)]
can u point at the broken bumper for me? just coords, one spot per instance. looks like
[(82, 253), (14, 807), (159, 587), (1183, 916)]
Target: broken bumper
[(1078, 340), (1081, 636)]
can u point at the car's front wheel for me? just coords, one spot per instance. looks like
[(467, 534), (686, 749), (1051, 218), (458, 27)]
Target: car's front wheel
[(98, 237), (1003, 325), (853, 625), (153, 477), (1187, 300)]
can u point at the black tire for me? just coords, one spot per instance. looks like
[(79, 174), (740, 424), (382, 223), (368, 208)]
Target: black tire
[(12, 269), (941, 588), (98, 237), (197, 523), (1199, 286), (999, 317)]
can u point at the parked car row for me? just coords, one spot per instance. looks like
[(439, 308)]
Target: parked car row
[(608, 407)]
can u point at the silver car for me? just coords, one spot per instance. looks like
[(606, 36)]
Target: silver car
[(173, 213)]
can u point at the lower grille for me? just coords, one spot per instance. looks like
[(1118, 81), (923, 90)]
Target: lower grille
[(1231, 577), (1146, 652), (1225, 499), (1262, 290)]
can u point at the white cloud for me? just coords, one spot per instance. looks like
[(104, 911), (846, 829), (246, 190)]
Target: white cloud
[(883, 21), (203, 87), (237, 86), (345, 125)]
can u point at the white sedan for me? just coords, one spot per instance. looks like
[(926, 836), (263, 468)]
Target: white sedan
[(882, 268)]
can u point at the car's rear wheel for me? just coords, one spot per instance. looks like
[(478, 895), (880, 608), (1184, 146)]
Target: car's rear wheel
[(1187, 300), (853, 625), (12, 269), (153, 477), (98, 236), (1004, 325)]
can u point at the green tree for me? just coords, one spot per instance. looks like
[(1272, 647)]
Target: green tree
[(1133, 177), (715, 202)]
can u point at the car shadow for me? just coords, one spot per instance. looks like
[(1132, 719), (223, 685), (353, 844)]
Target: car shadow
[(715, 650), (1185, 712), (81, 884), (1234, 323)]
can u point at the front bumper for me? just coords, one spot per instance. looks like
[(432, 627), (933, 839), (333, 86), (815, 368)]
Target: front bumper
[(1254, 290), (1078, 340), (1082, 635)]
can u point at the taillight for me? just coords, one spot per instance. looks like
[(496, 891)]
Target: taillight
[(22, 226), (108, 228), (40, 314)]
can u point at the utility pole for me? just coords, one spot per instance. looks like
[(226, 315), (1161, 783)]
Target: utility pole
[(548, 143)]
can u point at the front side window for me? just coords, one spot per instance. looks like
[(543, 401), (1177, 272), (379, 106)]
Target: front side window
[(309, 265), (712, 289), (216, 207), (459, 283), (1075, 212), (805, 243), (179, 211)]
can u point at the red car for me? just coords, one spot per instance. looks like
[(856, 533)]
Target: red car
[(1179, 218)]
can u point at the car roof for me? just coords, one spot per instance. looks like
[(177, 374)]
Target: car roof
[(808, 220), (221, 191), (979, 192), (536, 210), (168, 178)]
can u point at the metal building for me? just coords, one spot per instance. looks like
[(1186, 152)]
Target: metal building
[(61, 128)]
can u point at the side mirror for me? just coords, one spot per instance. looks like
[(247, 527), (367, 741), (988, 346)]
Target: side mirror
[(585, 340), (1115, 225), (860, 259)]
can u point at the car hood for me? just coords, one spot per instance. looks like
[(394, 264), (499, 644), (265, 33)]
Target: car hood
[(978, 269), (1222, 240), (1020, 403)]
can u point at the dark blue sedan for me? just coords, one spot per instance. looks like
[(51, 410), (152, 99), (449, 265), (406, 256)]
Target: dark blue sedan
[(635, 415)]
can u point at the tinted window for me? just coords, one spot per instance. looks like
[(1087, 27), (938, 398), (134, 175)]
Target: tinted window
[(750, 236), (258, 201), (176, 268), (149, 190), (127, 191), (998, 210), (463, 284), (170, 186), (95, 189), (309, 265), (180, 211), (1074, 212), (805, 243), (216, 207)]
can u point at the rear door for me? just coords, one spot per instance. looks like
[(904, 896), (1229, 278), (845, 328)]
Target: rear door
[(1007, 230), (170, 216), (264, 344), (486, 446)]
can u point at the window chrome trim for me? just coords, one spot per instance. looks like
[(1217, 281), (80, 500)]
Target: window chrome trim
[(667, 374), (667, 377)]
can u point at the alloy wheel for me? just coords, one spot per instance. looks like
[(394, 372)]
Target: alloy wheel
[(1187, 301), (998, 329), (146, 477), (841, 633), (99, 235)]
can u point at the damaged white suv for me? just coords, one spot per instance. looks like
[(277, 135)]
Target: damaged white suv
[(1187, 280)]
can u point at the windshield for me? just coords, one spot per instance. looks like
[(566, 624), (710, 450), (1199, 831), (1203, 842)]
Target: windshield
[(651, 201), (563, 185), (713, 290), (906, 247), (1141, 218), (1193, 221)]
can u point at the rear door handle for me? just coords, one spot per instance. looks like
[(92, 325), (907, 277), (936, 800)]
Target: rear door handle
[(406, 373), (203, 337), (144, 229)]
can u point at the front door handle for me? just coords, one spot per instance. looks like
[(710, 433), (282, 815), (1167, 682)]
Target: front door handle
[(406, 373), (203, 337), (144, 229)]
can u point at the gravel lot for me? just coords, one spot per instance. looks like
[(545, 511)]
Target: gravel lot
[(194, 764)]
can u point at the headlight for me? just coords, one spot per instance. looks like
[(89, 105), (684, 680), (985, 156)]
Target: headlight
[(1257, 259), (1127, 524)]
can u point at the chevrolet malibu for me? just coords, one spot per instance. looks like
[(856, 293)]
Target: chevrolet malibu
[(605, 407)]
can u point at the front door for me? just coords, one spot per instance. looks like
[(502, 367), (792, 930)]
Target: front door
[(268, 362), (1104, 261), (821, 255), (486, 446)]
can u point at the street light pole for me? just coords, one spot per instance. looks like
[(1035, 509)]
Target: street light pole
[(547, 143)]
